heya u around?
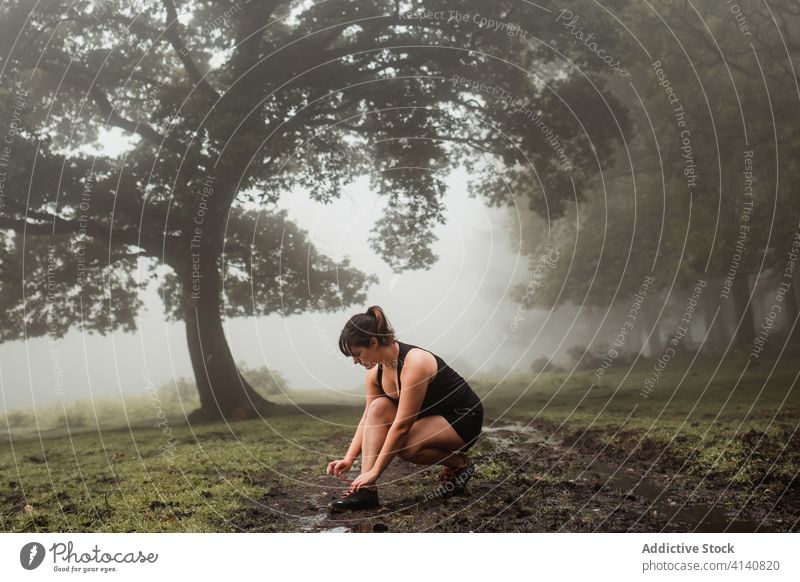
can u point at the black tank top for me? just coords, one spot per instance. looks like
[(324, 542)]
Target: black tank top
[(446, 392)]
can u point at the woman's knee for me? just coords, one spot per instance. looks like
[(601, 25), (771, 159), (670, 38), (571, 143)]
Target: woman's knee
[(382, 409)]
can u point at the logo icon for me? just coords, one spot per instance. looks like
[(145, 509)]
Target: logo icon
[(31, 555)]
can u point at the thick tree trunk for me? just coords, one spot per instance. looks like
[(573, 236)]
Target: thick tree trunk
[(224, 393), (745, 331)]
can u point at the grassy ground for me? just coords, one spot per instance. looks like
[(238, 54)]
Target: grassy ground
[(707, 450), (710, 413)]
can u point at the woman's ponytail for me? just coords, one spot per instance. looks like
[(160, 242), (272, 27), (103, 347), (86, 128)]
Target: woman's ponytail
[(362, 327), (382, 326)]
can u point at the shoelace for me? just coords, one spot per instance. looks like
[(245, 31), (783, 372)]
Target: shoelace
[(347, 492), (449, 474)]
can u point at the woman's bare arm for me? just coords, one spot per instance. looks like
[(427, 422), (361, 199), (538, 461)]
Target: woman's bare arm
[(417, 372), (373, 392), (355, 447)]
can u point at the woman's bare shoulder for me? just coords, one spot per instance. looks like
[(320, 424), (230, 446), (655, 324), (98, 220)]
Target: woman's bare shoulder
[(421, 358)]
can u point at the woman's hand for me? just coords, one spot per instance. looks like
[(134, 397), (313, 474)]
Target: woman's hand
[(336, 468), (364, 479)]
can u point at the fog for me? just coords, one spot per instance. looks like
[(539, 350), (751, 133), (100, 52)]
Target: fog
[(459, 309)]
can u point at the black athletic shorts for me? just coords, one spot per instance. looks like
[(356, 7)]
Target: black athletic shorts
[(467, 422)]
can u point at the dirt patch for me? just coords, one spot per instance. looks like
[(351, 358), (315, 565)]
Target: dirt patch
[(527, 479)]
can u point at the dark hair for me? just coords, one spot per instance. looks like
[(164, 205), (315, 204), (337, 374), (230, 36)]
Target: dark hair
[(362, 327)]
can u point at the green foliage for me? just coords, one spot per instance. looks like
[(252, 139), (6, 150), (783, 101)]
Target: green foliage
[(232, 104), (268, 382), (644, 215)]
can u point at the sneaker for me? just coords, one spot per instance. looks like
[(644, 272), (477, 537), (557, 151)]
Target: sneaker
[(454, 481), (364, 498)]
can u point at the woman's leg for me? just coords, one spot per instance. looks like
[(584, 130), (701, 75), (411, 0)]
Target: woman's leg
[(380, 415), (431, 441)]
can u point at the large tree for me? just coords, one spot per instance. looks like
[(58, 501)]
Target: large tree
[(234, 104)]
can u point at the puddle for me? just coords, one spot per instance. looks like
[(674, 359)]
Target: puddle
[(311, 522), (532, 435), (697, 517), (358, 528), (320, 523), (516, 426)]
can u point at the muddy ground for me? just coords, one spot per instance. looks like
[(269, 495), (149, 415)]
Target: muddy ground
[(570, 456), (537, 478)]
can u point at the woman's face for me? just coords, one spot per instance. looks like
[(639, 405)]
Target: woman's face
[(367, 356)]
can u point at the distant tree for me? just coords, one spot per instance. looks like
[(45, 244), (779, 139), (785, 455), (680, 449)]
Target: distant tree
[(265, 380), (544, 364), (674, 203)]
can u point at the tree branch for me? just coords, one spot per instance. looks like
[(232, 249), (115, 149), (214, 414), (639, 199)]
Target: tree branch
[(132, 24), (122, 256), (49, 225), (249, 36), (173, 34), (113, 118), (82, 79)]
